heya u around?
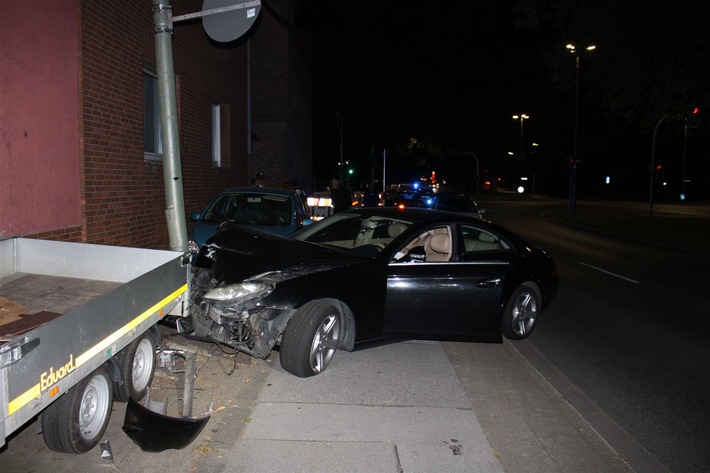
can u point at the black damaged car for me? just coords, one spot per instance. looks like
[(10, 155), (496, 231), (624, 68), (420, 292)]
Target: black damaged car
[(367, 275)]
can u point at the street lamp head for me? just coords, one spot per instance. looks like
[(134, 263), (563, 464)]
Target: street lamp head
[(573, 49), (521, 117)]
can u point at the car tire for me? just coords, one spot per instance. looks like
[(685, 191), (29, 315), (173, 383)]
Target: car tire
[(310, 339), (521, 311), (76, 421), (136, 362)]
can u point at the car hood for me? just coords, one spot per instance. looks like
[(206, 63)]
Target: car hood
[(204, 230), (236, 253)]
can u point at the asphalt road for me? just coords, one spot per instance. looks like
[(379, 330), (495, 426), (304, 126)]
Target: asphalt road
[(629, 329)]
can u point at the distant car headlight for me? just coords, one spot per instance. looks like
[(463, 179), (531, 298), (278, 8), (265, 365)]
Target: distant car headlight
[(245, 290)]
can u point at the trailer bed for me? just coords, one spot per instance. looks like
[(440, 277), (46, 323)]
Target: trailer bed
[(88, 302), (45, 298)]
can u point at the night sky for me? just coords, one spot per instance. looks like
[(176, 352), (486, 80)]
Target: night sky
[(451, 75)]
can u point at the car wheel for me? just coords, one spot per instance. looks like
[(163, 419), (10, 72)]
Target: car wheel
[(521, 311), (137, 365), (310, 339), (76, 421)]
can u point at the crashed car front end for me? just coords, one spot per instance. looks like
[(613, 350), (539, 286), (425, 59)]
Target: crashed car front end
[(232, 314), (247, 286)]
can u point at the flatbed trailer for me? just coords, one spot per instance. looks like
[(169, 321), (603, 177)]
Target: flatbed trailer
[(87, 335)]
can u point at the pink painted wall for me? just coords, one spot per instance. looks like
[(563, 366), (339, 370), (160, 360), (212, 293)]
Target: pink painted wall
[(40, 171)]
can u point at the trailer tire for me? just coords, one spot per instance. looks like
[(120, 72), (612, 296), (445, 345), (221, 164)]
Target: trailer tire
[(75, 422), (136, 363)]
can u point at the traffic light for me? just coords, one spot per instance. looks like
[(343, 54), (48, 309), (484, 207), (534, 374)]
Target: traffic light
[(351, 171), (693, 120)]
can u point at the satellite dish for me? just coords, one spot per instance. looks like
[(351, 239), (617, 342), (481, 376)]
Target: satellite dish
[(232, 19)]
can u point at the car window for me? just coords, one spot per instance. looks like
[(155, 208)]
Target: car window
[(251, 208), (434, 244), (367, 234), (217, 212), (477, 239), (301, 204)]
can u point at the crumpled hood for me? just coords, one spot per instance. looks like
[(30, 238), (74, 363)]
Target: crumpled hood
[(237, 253)]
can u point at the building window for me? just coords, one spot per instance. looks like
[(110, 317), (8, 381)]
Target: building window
[(221, 135), (153, 145), (216, 135)]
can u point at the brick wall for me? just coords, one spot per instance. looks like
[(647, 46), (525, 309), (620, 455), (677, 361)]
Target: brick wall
[(123, 194), (282, 101)]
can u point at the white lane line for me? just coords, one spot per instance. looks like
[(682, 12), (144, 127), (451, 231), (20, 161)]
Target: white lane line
[(610, 273)]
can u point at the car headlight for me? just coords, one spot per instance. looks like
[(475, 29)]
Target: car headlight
[(193, 247), (245, 290)]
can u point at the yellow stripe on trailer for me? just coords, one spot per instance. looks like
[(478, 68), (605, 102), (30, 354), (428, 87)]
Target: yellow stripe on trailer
[(25, 398)]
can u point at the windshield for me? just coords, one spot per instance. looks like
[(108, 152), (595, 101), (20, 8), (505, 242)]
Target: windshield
[(359, 232), (251, 208)]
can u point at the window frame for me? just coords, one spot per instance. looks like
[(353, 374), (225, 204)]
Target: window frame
[(216, 135), (151, 118)]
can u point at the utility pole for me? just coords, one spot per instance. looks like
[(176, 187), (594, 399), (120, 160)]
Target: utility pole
[(172, 167), (240, 17), (575, 157)]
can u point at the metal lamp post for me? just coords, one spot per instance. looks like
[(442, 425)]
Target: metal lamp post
[(651, 169), (522, 117), (477, 170), (575, 158)]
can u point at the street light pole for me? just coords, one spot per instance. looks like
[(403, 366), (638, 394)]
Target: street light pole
[(477, 168), (522, 117), (652, 169), (575, 157)]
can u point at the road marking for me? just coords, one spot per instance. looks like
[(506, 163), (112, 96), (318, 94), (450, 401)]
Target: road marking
[(610, 273)]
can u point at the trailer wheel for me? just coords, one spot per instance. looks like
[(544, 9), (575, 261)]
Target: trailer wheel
[(75, 422), (137, 365)]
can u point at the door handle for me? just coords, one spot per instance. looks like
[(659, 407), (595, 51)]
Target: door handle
[(489, 283)]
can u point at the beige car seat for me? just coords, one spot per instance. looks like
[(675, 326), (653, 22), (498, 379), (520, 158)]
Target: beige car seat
[(439, 247)]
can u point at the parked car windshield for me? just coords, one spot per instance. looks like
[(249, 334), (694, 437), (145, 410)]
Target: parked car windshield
[(251, 208), (354, 231)]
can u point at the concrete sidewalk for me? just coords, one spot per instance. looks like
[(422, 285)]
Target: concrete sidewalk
[(402, 408)]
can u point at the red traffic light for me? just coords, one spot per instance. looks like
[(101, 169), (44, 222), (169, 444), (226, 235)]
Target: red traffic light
[(693, 121)]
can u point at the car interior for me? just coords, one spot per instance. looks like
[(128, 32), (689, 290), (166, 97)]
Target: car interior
[(435, 242)]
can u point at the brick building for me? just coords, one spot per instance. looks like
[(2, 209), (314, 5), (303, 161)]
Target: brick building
[(80, 154), (283, 69)]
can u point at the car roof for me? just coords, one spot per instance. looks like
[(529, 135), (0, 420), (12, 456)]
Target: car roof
[(257, 190), (414, 214)]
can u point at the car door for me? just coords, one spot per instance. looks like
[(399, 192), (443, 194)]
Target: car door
[(458, 299)]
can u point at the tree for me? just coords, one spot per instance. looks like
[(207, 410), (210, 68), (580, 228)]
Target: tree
[(651, 57)]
